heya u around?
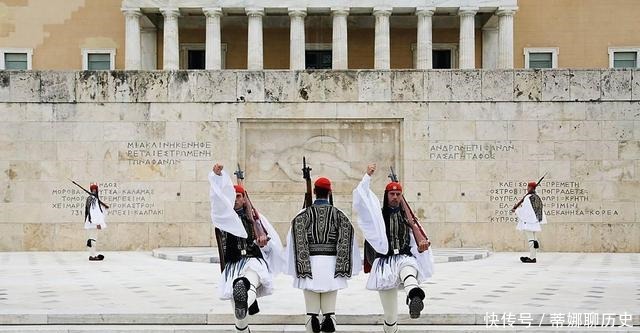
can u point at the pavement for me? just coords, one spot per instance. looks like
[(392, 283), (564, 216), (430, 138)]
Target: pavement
[(210, 254), (134, 291)]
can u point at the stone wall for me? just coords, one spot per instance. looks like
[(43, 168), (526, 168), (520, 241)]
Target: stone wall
[(463, 142)]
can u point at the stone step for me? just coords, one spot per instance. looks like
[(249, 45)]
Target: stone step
[(427, 319), (223, 319), (295, 329), (210, 254)]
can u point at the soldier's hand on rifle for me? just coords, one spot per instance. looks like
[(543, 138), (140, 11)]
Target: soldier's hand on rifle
[(371, 168), (424, 245), (262, 240), (217, 169), (513, 210)]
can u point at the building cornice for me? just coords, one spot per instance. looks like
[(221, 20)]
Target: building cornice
[(318, 5)]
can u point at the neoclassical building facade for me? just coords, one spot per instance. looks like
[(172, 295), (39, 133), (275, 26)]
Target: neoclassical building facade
[(496, 17), (315, 34), (142, 96)]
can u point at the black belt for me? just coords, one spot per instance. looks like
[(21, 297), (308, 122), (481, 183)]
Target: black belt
[(322, 249), (405, 250)]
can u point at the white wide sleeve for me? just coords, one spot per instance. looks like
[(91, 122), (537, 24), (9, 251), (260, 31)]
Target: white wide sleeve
[(223, 197), (426, 266), (370, 219), (273, 252), (356, 258), (290, 256), (525, 212)]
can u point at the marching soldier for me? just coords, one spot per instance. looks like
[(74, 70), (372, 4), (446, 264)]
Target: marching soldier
[(322, 255), (251, 252), (95, 214), (397, 251), (531, 216)]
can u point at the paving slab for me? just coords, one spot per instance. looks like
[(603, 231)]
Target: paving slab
[(64, 288), (210, 254), (299, 329)]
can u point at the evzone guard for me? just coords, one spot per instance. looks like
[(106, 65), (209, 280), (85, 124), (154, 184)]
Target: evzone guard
[(322, 254), (396, 248), (251, 252), (530, 213), (95, 219)]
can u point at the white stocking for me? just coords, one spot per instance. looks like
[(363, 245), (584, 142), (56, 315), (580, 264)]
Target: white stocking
[(92, 239), (312, 305), (389, 300), (254, 280), (531, 237), (328, 301), (408, 276)]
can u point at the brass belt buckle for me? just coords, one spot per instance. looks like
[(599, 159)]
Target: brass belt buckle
[(396, 251), (243, 252)]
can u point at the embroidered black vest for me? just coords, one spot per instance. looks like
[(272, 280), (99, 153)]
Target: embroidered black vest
[(397, 231), (235, 247), (322, 230), (536, 204)]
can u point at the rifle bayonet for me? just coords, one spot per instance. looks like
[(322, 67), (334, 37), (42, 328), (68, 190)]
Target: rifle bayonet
[(392, 175), (239, 173), (306, 174)]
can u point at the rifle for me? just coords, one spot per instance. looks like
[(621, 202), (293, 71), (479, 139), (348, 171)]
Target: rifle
[(91, 194), (413, 220), (252, 215), (525, 195), (306, 174)]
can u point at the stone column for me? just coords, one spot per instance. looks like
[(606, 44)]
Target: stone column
[(170, 46), (296, 39), (339, 56), (489, 48), (505, 38), (424, 46), (467, 37), (213, 48), (382, 52), (132, 46), (148, 49), (254, 39)]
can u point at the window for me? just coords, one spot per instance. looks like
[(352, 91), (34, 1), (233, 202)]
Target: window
[(195, 59), (15, 59), (624, 57), (541, 60), (318, 56), (441, 59), (443, 55), (98, 59), (193, 55), (541, 57), (318, 59)]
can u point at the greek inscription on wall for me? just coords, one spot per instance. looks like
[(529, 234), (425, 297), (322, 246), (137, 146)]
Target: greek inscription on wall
[(123, 200), (467, 150), (560, 198), (165, 152)]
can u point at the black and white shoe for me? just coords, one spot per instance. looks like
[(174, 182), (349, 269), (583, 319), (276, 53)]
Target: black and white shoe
[(243, 330), (313, 324), (328, 323), (390, 328), (240, 287), (414, 300), (528, 260)]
